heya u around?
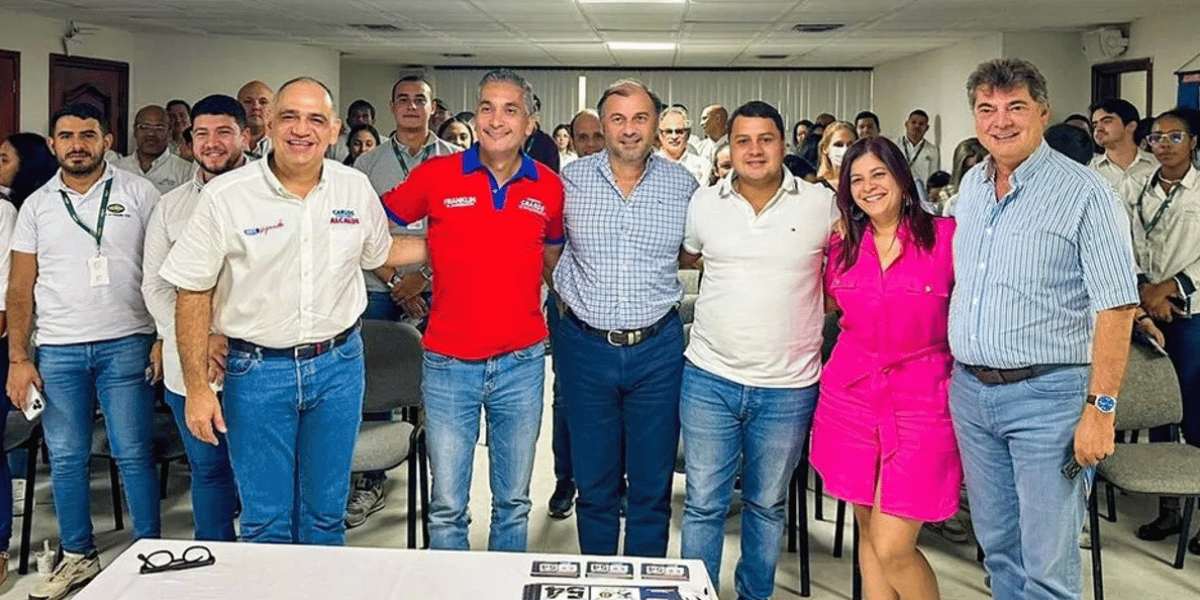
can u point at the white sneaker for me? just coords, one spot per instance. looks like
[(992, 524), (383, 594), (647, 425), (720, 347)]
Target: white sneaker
[(74, 572), (18, 486)]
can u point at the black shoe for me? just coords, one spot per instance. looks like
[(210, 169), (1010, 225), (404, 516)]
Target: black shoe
[(562, 500), (1166, 525), (1194, 545)]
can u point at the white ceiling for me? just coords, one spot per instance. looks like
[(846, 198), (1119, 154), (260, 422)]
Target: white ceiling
[(568, 33)]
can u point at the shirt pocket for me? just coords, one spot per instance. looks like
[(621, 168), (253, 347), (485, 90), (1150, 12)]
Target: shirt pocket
[(345, 246)]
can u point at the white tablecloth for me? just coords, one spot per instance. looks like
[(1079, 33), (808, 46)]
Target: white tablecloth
[(275, 572)]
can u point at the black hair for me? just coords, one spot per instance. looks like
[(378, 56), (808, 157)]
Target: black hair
[(1189, 116), (1143, 130), (757, 109), (937, 179), (1078, 117), (187, 136), (804, 122), (358, 104), (1124, 109), (362, 127), (455, 119), (221, 105), (866, 114), (798, 167), (35, 166), (181, 103), (919, 113), (1071, 141), (411, 79), (79, 110)]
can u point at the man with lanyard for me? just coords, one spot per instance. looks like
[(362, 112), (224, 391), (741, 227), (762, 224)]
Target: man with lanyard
[(393, 293), (922, 155), (77, 262), (480, 353), (619, 346), (272, 259), (219, 139), (1040, 317)]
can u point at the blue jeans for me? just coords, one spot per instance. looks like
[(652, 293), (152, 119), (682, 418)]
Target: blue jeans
[(75, 377), (292, 427), (381, 307), (560, 443), (1015, 439), (726, 425), (622, 397), (1183, 345), (214, 494), (509, 388)]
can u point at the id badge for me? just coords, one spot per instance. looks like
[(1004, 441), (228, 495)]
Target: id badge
[(98, 271)]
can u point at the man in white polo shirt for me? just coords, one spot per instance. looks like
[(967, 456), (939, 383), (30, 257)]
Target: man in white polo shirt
[(750, 383), (1115, 120), (151, 158), (77, 258), (272, 259), (922, 155), (219, 138)]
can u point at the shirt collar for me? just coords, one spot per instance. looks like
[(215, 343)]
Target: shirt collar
[(56, 182), (277, 186), (787, 186), (1024, 170), (471, 163), (605, 167), (1141, 156)]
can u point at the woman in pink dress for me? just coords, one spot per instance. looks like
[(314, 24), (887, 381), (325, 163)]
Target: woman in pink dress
[(882, 438)]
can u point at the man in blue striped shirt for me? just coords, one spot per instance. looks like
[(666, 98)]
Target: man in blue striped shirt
[(1045, 286), (619, 346)]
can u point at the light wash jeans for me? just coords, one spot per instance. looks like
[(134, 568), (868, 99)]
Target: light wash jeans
[(509, 387), (727, 425)]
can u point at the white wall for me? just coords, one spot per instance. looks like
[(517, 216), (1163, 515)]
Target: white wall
[(161, 67), (1170, 39), (373, 83), (1059, 56), (934, 81)]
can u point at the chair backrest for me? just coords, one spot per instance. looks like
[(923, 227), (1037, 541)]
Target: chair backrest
[(690, 278), (17, 429), (392, 353), (1150, 395)]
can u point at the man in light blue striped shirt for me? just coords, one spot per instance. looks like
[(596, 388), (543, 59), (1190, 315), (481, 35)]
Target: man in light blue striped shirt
[(619, 345), (1044, 287)]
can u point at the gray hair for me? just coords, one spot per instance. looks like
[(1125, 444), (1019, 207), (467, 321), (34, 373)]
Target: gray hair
[(622, 88), (676, 110), (508, 76), (1007, 74)]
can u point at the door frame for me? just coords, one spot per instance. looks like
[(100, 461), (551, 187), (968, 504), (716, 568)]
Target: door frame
[(16, 91), (1116, 69), (121, 69)]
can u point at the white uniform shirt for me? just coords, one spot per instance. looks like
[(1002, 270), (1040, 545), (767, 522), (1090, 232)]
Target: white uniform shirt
[(287, 270), (761, 309), (167, 172), (695, 165), (8, 222), (1172, 246), (166, 225), (260, 149), (923, 158), (1142, 166), (69, 310), (708, 147)]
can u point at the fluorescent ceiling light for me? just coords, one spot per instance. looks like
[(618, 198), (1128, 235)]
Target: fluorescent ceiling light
[(641, 45), (632, 1)]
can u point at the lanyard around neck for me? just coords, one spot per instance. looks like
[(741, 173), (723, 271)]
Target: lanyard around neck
[(1158, 214), (420, 159), (919, 148), (99, 232)]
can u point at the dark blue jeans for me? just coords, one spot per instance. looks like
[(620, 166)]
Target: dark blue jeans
[(1183, 344), (622, 397), (214, 494), (560, 444)]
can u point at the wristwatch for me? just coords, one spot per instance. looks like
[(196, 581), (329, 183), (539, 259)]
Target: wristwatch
[(394, 280), (427, 272), (1103, 403)]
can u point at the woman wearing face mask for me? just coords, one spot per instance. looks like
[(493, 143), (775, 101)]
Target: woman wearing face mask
[(26, 164), (882, 438), (838, 136), (1164, 212)]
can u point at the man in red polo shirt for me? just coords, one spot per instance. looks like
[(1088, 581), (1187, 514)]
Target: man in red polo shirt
[(495, 231)]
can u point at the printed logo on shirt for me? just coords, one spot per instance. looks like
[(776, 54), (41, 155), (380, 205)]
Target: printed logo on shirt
[(459, 202), (265, 229), (533, 205), (344, 216), (116, 209)]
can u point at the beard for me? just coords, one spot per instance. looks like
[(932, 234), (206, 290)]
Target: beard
[(228, 165), (87, 167), (638, 152)]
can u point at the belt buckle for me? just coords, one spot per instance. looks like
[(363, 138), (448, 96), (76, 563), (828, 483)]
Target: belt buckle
[(609, 338)]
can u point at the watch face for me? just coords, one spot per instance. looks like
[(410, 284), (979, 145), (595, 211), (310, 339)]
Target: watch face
[(1106, 404)]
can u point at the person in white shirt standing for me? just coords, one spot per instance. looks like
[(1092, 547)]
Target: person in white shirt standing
[(256, 98), (922, 155), (151, 135), (77, 258), (219, 138), (750, 384), (674, 128), (1115, 121), (272, 259), (712, 121)]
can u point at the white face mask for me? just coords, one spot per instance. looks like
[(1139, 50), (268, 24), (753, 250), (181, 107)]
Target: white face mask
[(836, 154)]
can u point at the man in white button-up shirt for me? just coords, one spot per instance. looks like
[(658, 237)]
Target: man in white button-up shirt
[(151, 135), (219, 139), (1115, 120), (749, 387), (674, 126), (77, 265), (922, 155), (256, 98), (272, 259)]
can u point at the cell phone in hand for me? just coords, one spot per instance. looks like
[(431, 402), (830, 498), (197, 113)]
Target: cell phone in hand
[(34, 403)]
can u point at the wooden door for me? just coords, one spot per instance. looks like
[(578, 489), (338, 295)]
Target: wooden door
[(10, 93), (101, 83)]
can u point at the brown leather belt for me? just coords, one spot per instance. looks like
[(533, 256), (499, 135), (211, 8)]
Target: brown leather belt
[(623, 337), (993, 376)]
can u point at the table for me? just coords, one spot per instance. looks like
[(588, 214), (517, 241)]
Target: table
[(285, 572)]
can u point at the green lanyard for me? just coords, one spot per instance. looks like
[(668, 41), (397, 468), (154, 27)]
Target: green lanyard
[(1148, 227), (420, 159), (913, 159), (99, 232)]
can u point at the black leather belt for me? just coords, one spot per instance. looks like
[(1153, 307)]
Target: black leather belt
[(992, 376), (301, 352), (624, 337)]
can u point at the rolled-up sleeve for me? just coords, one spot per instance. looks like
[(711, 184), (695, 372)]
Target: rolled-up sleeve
[(196, 259), (1106, 251), (378, 239)]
